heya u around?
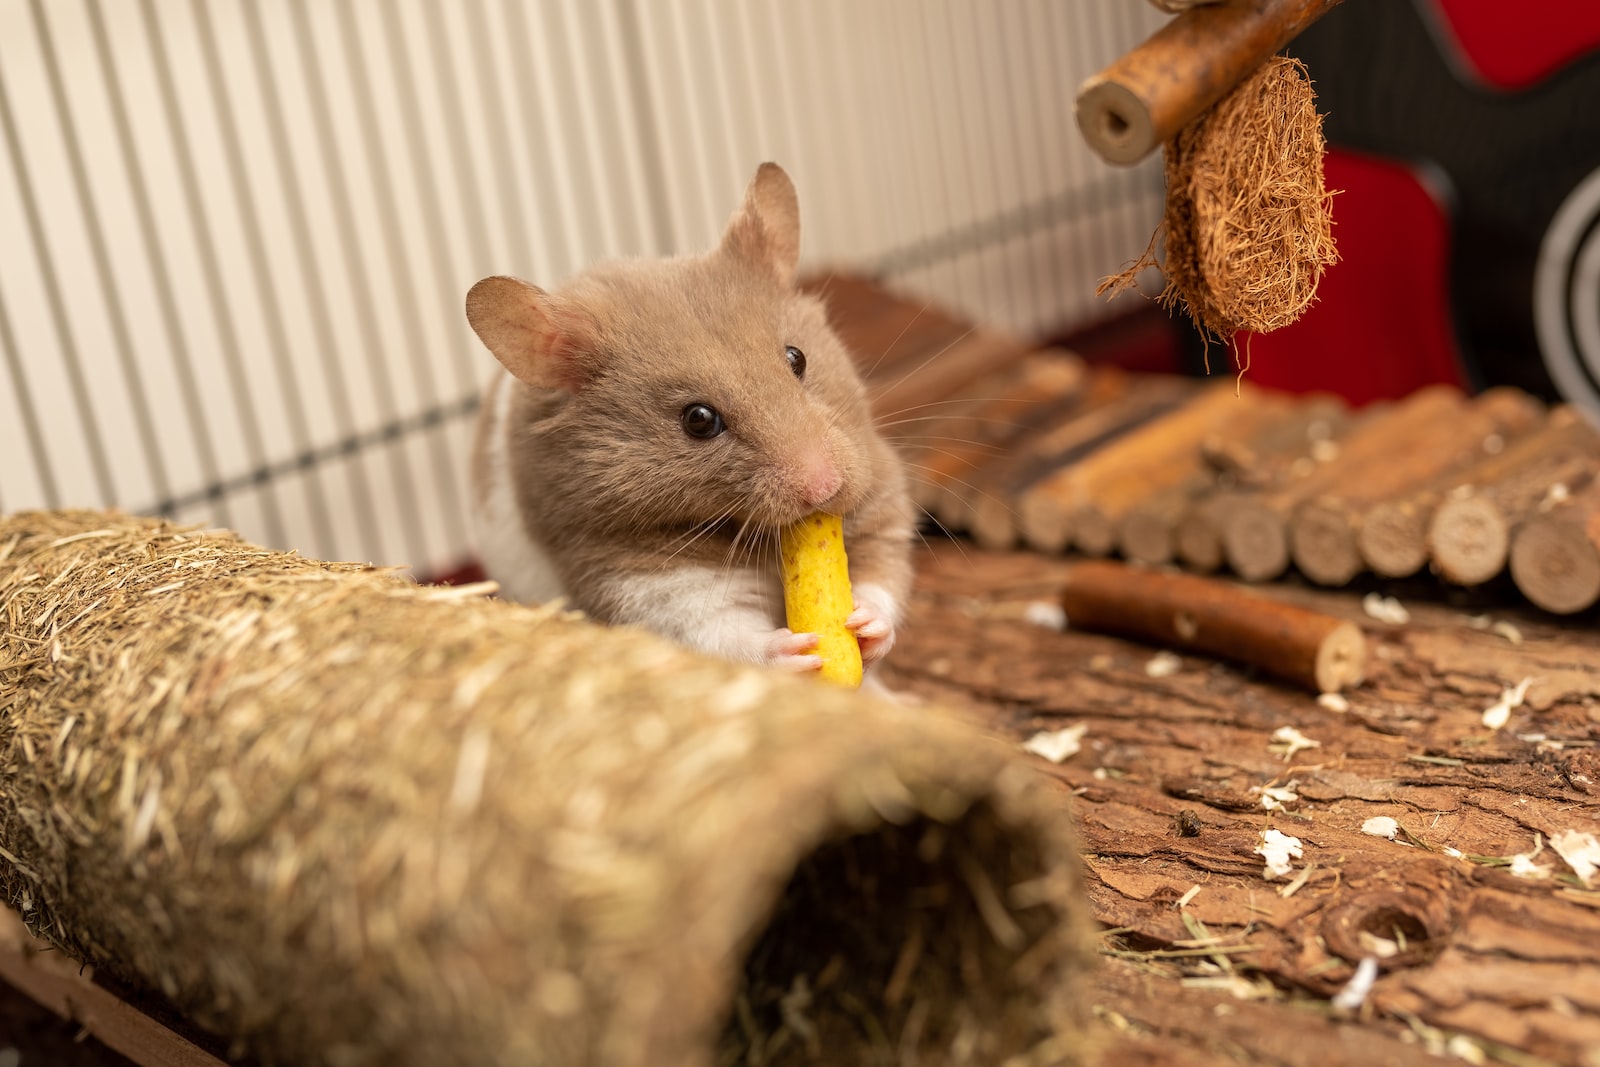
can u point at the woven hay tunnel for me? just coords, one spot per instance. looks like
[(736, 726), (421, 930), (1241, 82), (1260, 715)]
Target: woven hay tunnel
[(341, 819)]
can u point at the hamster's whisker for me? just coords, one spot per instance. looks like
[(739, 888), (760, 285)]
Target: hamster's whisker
[(968, 332), (694, 535), (950, 534), (912, 438), (898, 338), (890, 418)]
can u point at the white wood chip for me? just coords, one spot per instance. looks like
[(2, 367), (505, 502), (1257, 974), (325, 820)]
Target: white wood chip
[(1163, 665), (1385, 609), (1044, 613), (1057, 745), (1349, 999), (1580, 850), (1278, 849), (1381, 826), (1287, 741), (1275, 797), (1498, 714)]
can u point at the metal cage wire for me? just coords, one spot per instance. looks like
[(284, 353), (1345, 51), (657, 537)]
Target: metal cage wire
[(235, 234)]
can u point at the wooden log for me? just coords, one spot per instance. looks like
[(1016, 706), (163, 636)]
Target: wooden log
[(1393, 536), (1165, 455), (1325, 533), (1083, 502), (1148, 532), (1152, 92), (1316, 651), (1271, 462), (1255, 533), (982, 419), (1115, 404), (1555, 555), (68, 988), (1469, 533), (1144, 529)]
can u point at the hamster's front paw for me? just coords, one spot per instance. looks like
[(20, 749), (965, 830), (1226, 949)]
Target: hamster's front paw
[(874, 631), (789, 651)]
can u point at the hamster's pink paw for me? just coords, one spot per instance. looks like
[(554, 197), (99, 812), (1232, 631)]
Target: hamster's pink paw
[(874, 631), (789, 651)]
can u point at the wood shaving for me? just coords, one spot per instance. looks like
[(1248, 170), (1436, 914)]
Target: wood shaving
[(1385, 609), (1580, 850), (1498, 714), (1279, 850), (1057, 746), (1381, 826), (1287, 741), (1163, 665)]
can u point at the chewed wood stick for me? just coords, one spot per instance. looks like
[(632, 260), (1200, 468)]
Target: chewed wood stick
[(816, 593), (1308, 648)]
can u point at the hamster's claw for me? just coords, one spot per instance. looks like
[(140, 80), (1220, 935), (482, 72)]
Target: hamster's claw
[(874, 631), (789, 651)]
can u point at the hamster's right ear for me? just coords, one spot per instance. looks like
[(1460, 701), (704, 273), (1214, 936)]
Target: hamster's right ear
[(538, 340)]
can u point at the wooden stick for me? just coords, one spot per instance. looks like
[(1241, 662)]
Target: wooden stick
[(1469, 534), (1163, 456), (1255, 534), (1279, 459), (1085, 500), (1312, 650), (1325, 534), (1115, 404), (1555, 555), (1152, 92), (68, 989), (1148, 532)]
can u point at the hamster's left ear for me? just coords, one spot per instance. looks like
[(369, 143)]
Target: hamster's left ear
[(765, 231)]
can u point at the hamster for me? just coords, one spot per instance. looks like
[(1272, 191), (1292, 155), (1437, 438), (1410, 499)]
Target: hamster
[(658, 421)]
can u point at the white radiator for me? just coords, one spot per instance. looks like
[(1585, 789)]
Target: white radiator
[(235, 234)]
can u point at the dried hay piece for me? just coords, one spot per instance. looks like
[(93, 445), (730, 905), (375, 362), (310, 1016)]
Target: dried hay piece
[(344, 820), (1248, 226)]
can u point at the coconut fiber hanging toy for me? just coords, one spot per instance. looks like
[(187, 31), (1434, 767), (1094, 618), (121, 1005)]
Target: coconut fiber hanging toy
[(1247, 228)]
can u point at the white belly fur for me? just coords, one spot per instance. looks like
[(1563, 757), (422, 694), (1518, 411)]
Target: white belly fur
[(508, 552)]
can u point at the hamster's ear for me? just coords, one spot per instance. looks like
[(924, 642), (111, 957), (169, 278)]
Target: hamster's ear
[(765, 231), (539, 341)]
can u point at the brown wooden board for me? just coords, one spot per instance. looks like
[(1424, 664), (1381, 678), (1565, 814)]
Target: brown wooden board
[(1482, 956)]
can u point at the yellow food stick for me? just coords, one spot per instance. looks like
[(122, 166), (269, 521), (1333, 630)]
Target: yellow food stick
[(816, 593)]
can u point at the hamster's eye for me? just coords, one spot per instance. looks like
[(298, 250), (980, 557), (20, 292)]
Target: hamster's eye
[(797, 360), (702, 421)]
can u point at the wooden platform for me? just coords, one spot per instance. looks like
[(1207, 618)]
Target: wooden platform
[(1487, 941), (1510, 964)]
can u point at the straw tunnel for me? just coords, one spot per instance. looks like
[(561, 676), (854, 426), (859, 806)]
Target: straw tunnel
[(344, 819)]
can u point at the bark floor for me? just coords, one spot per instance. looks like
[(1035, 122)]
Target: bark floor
[(1481, 956)]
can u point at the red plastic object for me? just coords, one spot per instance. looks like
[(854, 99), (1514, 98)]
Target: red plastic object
[(1513, 46)]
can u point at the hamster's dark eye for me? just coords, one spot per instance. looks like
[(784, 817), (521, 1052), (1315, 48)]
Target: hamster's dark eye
[(797, 361), (702, 421)]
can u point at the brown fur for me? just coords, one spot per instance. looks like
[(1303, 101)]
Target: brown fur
[(606, 479)]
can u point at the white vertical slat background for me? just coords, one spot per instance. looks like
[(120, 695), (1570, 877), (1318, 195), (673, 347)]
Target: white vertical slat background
[(235, 234)]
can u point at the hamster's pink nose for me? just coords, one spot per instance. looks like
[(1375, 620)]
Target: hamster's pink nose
[(819, 479)]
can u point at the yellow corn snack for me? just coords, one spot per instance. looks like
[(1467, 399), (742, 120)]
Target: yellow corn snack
[(816, 593)]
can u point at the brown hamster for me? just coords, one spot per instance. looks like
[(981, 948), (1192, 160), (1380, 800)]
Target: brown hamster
[(661, 419)]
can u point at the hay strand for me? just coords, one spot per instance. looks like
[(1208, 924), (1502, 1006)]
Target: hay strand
[(1248, 229), (342, 820)]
